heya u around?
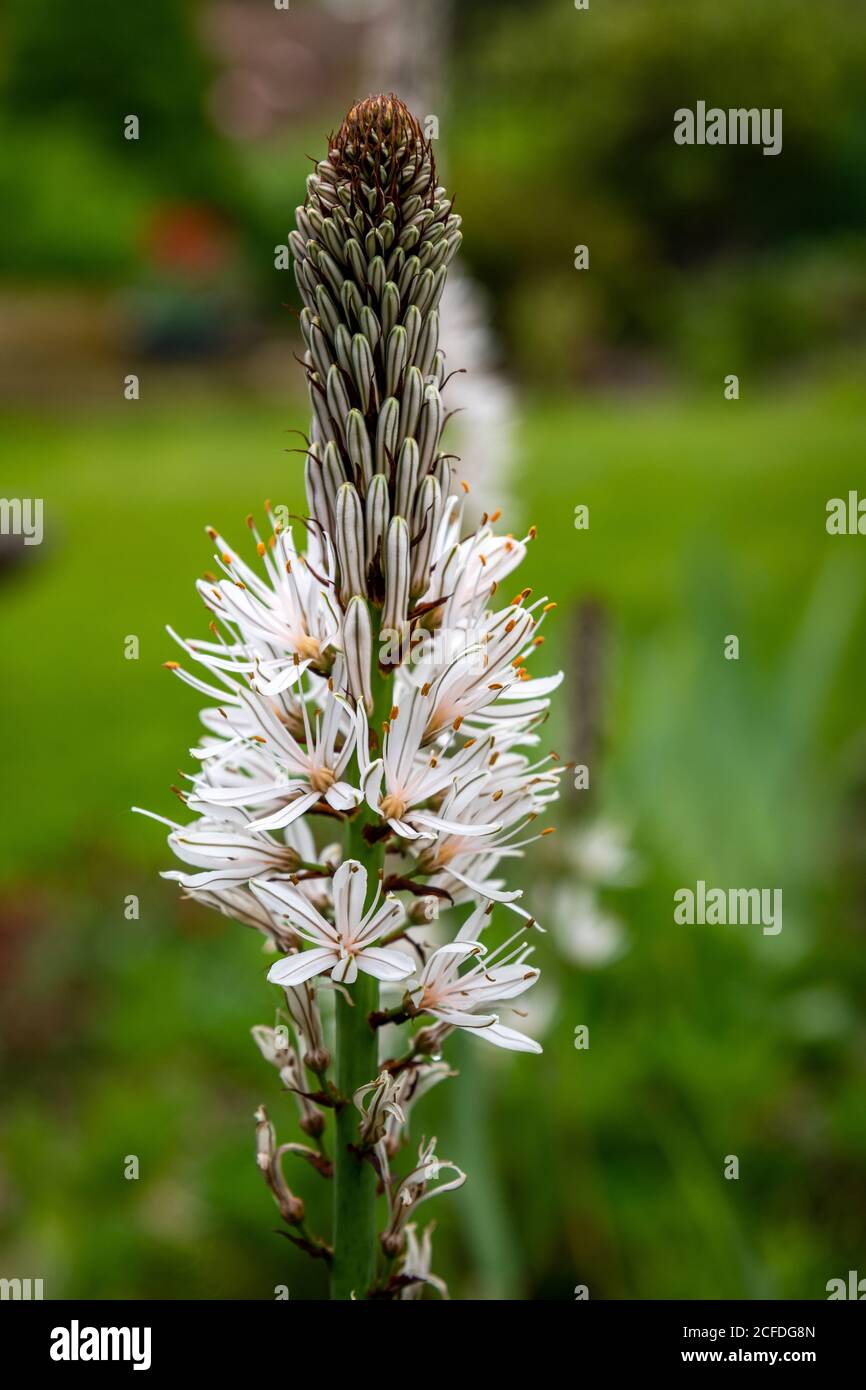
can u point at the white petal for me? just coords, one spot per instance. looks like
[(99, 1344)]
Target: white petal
[(509, 1038), (350, 892), (447, 958), (293, 970), (285, 900), (384, 963), (388, 915), (287, 814), (451, 827), (503, 982), (372, 783), (458, 1018), (345, 972)]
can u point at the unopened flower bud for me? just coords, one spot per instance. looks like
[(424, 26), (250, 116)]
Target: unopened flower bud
[(397, 562), (358, 651), (350, 542), (269, 1162), (317, 1059)]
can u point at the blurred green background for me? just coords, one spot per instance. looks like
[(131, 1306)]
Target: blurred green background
[(603, 1166)]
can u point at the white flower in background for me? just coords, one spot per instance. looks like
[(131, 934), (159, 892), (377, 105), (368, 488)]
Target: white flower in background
[(343, 947), (601, 853), (586, 933)]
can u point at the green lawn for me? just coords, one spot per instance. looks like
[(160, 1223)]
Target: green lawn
[(126, 497), (602, 1167)]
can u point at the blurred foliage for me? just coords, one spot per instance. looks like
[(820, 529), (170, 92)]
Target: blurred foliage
[(69, 79), (703, 260), (54, 232), (565, 124), (87, 69)]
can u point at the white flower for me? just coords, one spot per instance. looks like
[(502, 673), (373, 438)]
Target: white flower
[(601, 853), (495, 688), (415, 1188), (586, 933), (464, 1000), (416, 1262), (342, 948), (285, 773), (378, 1102), (459, 851), (275, 1046), (289, 615), (412, 778), (227, 853), (470, 573)]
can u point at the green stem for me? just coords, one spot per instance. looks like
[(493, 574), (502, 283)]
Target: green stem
[(354, 1180), (357, 1062)]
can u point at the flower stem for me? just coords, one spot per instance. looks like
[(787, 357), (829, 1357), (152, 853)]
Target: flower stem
[(357, 1061), (354, 1180)]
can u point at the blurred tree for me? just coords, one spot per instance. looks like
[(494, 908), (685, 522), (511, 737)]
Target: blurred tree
[(576, 110), (91, 66)]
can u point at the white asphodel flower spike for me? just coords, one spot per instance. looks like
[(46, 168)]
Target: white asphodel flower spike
[(370, 755), (343, 947)]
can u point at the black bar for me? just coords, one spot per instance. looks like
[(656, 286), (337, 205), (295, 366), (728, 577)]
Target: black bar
[(262, 1340)]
